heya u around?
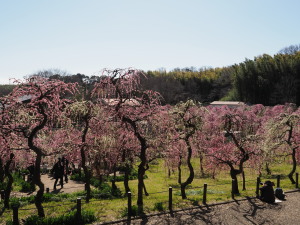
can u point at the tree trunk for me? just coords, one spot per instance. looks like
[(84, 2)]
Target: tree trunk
[(9, 183), (113, 181), (37, 181), (268, 170), (179, 171), (214, 173), (233, 174), (294, 167), (201, 165), (126, 179), (37, 167), (87, 179), (101, 179), (145, 190), (83, 159), (1, 171), (141, 173), (79, 171), (143, 164), (191, 169)]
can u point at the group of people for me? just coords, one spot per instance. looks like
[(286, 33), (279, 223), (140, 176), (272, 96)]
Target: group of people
[(267, 193), (60, 172)]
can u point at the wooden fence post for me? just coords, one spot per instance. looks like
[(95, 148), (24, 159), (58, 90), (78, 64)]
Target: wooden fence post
[(278, 181), (297, 180), (15, 215), (129, 207), (79, 210), (257, 186), (170, 199), (204, 194)]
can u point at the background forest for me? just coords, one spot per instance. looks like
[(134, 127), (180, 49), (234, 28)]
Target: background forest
[(264, 80)]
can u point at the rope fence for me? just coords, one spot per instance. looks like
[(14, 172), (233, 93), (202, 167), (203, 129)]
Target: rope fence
[(202, 193)]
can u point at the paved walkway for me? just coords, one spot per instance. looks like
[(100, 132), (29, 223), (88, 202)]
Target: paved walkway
[(71, 186), (250, 211)]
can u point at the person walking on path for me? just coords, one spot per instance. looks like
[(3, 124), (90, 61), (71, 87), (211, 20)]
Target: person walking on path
[(58, 173), (65, 163)]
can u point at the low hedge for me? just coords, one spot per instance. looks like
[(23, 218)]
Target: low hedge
[(66, 219)]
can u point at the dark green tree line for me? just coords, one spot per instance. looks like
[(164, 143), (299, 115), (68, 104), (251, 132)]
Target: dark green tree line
[(268, 80)]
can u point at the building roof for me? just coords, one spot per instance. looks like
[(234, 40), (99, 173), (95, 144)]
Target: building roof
[(227, 103), (114, 101), (25, 98)]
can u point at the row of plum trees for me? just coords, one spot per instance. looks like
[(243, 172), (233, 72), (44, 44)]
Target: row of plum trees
[(119, 124)]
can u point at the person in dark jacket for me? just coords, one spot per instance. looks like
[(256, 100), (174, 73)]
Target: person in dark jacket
[(31, 172), (65, 163), (267, 192), (58, 173)]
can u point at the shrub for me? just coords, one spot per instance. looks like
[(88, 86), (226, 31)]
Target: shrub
[(66, 219), (78, 177), (26, 186), (122, 178), (9, 222), (14, 202), (133, 175), (95, 182), (134, 211), (105, 191), (159, 206)]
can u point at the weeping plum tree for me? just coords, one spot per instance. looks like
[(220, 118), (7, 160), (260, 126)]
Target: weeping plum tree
[(127, 149), (120, 151), (6, 155), (34, 108), (133, 107), (88, 124), (231, 139), (187, 120), (284, 132), (6, 159), (10, 153), (266, 143)]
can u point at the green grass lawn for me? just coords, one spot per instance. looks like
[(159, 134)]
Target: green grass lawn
[(157, 184)]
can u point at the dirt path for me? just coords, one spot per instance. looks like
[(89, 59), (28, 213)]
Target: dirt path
[(70, 187), (251, 211)]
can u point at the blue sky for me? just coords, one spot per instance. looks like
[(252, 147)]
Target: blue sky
[(85, 36)]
